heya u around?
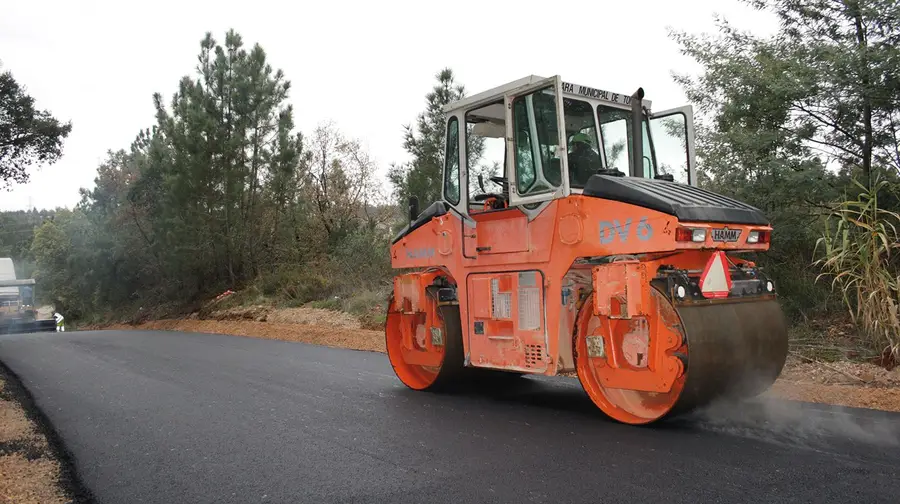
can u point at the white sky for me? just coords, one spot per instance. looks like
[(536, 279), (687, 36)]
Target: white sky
[(365, 65)]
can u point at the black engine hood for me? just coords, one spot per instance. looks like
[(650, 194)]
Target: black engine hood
[(683, 201)]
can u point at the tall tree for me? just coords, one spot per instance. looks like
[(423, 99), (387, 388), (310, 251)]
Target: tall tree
[(340, 183), (824, 87), (228, 131), (421, 177), (27, 136), (849, 49)]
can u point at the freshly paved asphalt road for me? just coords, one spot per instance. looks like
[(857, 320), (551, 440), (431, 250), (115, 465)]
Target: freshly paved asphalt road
[(156, 417)]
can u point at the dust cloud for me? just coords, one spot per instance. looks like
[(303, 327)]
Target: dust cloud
[(800, 424)]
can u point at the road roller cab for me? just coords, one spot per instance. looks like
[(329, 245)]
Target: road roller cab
[(562, 245)]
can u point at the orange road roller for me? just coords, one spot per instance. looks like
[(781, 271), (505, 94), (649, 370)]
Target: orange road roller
[(592, 251)]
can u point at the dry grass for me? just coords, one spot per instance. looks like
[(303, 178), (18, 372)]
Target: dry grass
[(28, 471), (858, 244), (24, 481), (14, 425)]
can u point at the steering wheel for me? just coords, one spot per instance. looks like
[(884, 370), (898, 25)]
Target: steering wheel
[(501, 181), (484, 196), (493, 200)]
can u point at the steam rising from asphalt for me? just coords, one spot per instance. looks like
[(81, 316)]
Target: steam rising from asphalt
[(802, 424), (795, 423)]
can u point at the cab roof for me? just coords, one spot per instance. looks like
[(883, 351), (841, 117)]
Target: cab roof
[(568, 89)]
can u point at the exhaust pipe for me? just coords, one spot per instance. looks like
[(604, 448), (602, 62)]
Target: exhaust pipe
[(637, 133)]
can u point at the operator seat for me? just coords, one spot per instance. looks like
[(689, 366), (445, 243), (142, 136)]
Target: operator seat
[(583, 162)]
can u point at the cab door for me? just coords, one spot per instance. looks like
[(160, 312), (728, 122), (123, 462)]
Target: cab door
[(536, 164), (535, 168)]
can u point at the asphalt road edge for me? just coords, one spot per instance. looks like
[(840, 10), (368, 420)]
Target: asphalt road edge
[(70, 484)]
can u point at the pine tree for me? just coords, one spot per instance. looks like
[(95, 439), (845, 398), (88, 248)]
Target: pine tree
[(421, 177)]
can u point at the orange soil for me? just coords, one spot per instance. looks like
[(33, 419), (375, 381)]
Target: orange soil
[(338, 337)]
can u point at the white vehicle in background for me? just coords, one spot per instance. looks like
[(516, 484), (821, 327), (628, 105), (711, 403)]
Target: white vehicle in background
[(18, 314)]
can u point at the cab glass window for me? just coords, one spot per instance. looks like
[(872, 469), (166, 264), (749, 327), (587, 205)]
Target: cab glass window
[(582, 142), (451, 163), (485, 150), (537, 164), (615, 137), (526, 172), (670, 145)]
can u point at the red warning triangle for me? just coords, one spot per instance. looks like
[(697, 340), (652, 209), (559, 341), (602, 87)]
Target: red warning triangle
[(715, 282)]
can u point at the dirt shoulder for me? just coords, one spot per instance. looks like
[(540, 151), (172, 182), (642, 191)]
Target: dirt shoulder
[(338, 337), (34, 467), (853, 384), (845, 384)]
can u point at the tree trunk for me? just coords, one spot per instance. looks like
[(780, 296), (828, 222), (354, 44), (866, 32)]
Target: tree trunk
[(865, 81)]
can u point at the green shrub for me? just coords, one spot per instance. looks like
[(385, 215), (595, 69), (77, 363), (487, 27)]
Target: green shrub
[(306, 286), (326, 304), (362, 259), (373, 319), (300, 284), (364, 301), (290, 303), (370, 307), (270, 283), (800, 295)]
